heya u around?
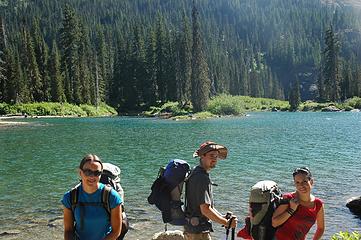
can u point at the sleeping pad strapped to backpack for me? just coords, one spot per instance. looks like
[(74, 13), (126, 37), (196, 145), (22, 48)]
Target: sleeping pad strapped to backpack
[(264, 198), (111, 179), (167, 190)]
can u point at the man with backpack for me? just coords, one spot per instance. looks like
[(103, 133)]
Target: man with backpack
[(200, 209)]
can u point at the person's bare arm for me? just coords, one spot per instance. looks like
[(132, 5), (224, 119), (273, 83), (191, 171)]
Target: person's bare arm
[(320, 224), (68, 224), (281, 214), (213, 215), (116, 222)]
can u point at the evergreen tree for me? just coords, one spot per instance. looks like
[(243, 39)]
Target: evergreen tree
[(3, 64), (139, 65), (150, 90), (347, 80), (161, 59), (86, 86), (70, 42), (31, 68), (116, 96), (331, 68), (201, 83), (170, 68), (42, 54), (294, 96), (185, 63), (56, 78), (103, 60), (130, 90), (10, 87)]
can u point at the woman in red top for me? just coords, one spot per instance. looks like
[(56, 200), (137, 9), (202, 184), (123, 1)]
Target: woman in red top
[(294, 220)]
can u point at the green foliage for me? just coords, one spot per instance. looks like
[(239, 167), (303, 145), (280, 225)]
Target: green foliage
[(349, 104), (172, 108), (237, 105), (346, 236), (55, 109), (315, 106), (102, 51), (354, 102)]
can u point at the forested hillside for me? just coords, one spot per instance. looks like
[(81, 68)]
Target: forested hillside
[(136, 53)]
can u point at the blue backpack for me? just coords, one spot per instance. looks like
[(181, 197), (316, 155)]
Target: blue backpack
[(167, 191)]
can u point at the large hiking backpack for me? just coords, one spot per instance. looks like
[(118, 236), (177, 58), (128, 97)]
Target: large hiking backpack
[(111, 179), (167, 191), (264, 198)]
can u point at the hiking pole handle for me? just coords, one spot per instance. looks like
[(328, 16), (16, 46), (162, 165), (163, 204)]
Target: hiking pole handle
[(230, 219)]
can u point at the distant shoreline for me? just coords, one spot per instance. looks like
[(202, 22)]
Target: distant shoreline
[(4, 120)]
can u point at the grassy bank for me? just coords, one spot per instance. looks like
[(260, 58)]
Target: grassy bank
[(222, 105), (238, 105), (226, 105), (55, 109), (348, 105)]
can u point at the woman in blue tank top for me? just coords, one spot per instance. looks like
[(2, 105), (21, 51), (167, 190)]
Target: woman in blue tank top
[(88, 219)]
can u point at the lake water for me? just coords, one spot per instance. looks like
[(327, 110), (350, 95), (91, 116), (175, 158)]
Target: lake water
[(39, 161)]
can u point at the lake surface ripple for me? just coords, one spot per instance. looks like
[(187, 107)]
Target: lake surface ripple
[(39, 161)]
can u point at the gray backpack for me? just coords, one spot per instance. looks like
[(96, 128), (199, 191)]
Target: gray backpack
[(264, 198)]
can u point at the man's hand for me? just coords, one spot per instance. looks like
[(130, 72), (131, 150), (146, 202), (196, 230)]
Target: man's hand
[(232, 222)]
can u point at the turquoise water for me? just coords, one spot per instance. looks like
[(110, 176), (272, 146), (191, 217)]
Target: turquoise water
[(39, 160)]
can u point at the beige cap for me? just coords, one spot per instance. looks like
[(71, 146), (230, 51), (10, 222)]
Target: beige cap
[(211, 146)]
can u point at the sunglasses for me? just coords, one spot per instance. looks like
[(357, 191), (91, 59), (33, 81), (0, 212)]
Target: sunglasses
[(304, 170), (89, 173)]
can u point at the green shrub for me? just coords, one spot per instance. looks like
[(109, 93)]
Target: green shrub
[(346, 236), (55, 109), (313, 106), (225, 105), (174, 108), (3, 108), (354, 102), (237, 105)]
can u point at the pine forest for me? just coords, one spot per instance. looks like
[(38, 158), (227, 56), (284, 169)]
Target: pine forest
[(133, 54)]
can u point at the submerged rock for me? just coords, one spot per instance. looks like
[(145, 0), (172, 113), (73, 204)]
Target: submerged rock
[(354, 204)]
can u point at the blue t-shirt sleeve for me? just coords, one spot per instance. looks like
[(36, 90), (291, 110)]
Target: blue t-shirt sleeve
[(66, 200), (114, 199)]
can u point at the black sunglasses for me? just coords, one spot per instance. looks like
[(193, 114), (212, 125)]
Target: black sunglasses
[(88, 173)]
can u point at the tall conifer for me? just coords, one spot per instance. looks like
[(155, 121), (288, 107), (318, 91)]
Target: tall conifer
[(185, 59), (201, 83), (331, 68), (56, 78), (32, 69), (3, 64), (69, 36)]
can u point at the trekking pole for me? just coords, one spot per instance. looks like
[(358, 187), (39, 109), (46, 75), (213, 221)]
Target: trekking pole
[(228, 216), (233, 234)]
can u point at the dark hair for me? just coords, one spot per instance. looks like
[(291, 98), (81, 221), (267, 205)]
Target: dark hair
[(302, 170), (90, 158)]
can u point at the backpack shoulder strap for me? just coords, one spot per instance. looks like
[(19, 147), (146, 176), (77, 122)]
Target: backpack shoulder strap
[(105, 198), (185, 191), (74, 197)]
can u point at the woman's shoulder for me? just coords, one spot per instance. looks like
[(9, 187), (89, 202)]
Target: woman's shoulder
[(318, 201)]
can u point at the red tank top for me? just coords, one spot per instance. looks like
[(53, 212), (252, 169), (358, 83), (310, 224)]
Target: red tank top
[(297, 226)]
